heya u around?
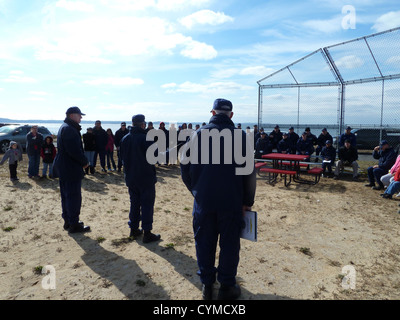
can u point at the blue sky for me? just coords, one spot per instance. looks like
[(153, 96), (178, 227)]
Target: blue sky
[(167, 59)]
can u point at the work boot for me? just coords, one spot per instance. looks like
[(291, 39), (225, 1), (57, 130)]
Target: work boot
[(229, 292), (135, 233), (78, 228), (207, 291), (150, 237)]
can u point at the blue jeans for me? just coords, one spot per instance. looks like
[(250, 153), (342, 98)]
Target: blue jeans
[(45, 166), (110, 160), (376, 174), (90, 156), (33, 165), (394, 187)]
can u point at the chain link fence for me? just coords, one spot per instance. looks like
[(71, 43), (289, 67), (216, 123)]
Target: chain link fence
[(354, 83)]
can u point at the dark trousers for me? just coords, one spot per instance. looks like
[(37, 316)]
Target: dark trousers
[(71, 201), (142, 207), (376, 174), (13, 170), (102, 156), (119, 159), (207, 226)]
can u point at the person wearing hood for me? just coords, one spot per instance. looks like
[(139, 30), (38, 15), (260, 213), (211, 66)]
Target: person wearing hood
[(13, 155), (69, 166), (48, 153)]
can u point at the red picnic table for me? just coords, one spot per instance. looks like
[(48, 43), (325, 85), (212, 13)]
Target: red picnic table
[(288, 165)]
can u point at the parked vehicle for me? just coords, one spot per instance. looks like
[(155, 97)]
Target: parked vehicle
[(368, 139), (18, 134)]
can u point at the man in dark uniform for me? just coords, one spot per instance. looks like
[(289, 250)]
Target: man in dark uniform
[(293, 137), (220, 198), (121, 132), (140, 178), (68, 166)]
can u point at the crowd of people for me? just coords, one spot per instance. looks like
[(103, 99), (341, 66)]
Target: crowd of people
[(309, 144), (220, 195)]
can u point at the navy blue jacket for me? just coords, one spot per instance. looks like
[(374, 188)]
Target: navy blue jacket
[(70, 158), (138, 171), (386, 158), (34, 145), (293, 138), (263, 146), (305, 145), (328, 153), (351, 137), (216, 187), (101, 138), (284, 145)]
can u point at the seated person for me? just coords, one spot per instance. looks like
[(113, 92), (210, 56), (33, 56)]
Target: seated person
[(293, 137), (305, 146), (311, 136), (284, 144), (348, 135), (328, 155), (276, 136), (263, 146), (393, 187), (387, 157), (348, 156), (387, 178), (321, 141)]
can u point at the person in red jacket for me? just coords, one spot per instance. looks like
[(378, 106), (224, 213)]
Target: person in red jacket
[(110, 150), (48, 153)]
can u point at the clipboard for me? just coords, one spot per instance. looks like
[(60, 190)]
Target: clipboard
[(249, 232)]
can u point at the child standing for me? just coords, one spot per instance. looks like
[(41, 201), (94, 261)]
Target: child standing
[(48, 153), (13, 154)]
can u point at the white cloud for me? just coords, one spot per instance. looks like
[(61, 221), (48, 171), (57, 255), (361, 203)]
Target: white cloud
[(172, 5), (198, 50), (349, 62), (205, 17), (325, 26), (211, 88), (124, 81), (387, 21), (93, 40), (74, 6), (38, 93), (258, 71), (17, 76)]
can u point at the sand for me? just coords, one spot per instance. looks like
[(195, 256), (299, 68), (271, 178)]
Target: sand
[(306, 236)]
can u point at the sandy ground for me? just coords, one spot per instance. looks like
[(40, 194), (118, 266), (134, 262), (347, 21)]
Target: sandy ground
[(307, 234)]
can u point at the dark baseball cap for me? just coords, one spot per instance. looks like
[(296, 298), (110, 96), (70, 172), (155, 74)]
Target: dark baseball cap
[(223, 105), (75, 110), (139, 118)]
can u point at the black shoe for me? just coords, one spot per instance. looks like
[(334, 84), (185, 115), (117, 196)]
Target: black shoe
[(370, 185), (207, 291), (336, 178), (135, 233), (229, 292), (377, 188), (150, 237), (78, 228), (386, 196), (66, 225)]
